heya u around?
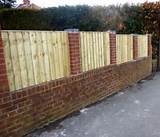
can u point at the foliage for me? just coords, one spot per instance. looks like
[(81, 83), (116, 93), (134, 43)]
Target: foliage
[(96, 18), (151, 18), (55, 18), (132, 18), (23, 19), (151, 13), (7, 3)]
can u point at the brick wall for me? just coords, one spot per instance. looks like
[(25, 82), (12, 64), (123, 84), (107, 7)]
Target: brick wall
[(113, 48), (135, 47), (23, 110), (74, 45), (3, 73), (150, 45)]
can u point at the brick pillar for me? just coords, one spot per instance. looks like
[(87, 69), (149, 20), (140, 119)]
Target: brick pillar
[(149, 45), (74, 46), (113, 57), (135, 47), (3, 73)]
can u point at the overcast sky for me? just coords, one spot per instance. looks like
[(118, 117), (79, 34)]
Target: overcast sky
[(51, 3)]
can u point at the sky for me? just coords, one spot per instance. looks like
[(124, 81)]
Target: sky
[(53, 3)]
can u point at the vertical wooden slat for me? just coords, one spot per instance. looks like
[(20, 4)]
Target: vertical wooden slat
[(60, 54), (82, 51), (107, 39), (122, 51), (90, 44), (125, 48), (50, 45), (97, 50), (86, 51), (34, 50), (55, 54), (28, 58), (15, 60), (94, 51), (54, 63), (22, 59), (42, 77), (105, 48), (102, 49), (66, 54), (146, 45), (130, 47), (117, 49), (46, 56), (8, 58)]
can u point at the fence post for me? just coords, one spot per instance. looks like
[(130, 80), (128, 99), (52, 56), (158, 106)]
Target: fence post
[(113, 58), (74, 47), (135, 47), (149, 45), (4, 86)]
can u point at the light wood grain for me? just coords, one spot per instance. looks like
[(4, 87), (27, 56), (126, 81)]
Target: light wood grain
[(34, 57), (95, 50)]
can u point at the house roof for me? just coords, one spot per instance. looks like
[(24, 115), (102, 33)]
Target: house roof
[(29, 6)]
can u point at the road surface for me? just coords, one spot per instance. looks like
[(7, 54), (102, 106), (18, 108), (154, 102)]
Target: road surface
[(133, 112)]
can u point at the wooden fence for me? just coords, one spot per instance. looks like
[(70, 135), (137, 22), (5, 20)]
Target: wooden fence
[(95, 50), (142, 45), (124, 48), (34, 57)]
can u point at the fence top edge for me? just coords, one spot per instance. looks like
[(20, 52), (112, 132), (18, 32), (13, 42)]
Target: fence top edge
[(30, 31), (72, 32)]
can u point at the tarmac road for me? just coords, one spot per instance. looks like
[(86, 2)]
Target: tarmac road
[(134, 112)]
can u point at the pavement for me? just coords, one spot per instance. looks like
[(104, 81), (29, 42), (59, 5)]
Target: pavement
[(133, 112)]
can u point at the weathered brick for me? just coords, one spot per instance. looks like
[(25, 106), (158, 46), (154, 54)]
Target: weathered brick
[(135, 47), (149, 45), (113, 48), (74, 46), (3, 72)]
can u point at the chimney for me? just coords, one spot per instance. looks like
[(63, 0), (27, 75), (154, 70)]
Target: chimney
[(26, 2)]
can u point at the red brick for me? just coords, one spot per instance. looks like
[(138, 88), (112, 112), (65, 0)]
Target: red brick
[(3, 72), (135, 47), (74, 46), (149, 45), (113, 48)]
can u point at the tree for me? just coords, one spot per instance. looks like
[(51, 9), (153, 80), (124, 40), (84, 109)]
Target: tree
[(7, 3), (151, 19), (132, 19)]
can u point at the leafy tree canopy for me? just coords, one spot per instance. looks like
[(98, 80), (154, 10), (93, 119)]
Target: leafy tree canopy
[(7, 3)]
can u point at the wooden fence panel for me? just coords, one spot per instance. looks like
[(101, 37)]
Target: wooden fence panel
[(15, 60), (28, 57), (130, 48), (142, 45), (33, 57), (8, 59), (95, 50), (124, 48)]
